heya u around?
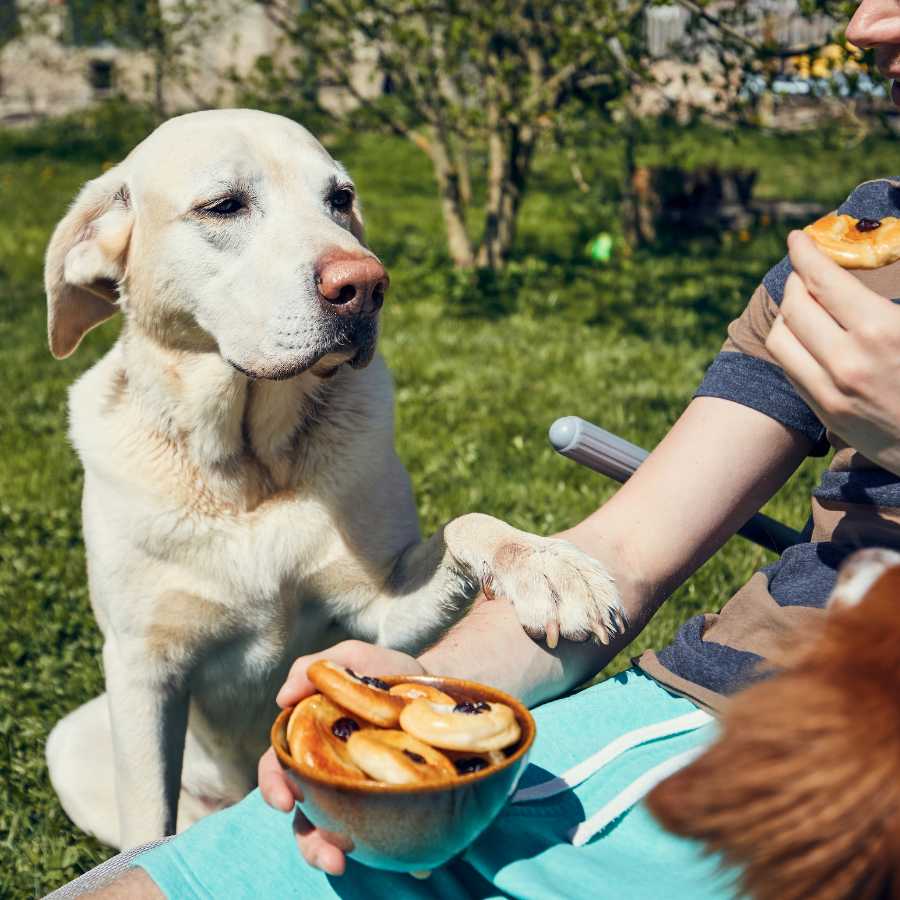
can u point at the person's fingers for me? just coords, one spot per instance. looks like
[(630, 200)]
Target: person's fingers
[(364, 658), (811, 380), (296, 686), (274, 785), (316, 847), (846, 299), (810, 323)]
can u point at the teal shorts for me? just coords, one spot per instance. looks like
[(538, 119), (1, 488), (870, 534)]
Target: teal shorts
[(248, 851)]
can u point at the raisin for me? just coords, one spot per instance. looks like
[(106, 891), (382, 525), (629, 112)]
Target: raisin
[(470, 764), (868, 224), (344, 727), (369, 680), (414, 757), (471, 708)]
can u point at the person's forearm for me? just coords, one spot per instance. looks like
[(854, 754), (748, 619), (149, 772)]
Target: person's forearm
[(490, 646), (713, 470), (716, 467)]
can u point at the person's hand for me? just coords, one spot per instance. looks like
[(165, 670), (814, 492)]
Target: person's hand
[(322, 849), (839, 344)]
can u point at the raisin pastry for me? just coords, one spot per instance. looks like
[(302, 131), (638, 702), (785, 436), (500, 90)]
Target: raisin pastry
[(469, 725), (365, 696), (857, 243), (317, 734), (395, 757)]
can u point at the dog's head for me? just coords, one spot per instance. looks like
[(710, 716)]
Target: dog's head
[(229, 231), (802, 790)]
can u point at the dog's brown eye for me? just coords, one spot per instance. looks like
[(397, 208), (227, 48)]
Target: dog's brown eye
[(227, 206), (341, 199)]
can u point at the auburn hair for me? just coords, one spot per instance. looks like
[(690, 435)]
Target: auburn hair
[(801, 791)]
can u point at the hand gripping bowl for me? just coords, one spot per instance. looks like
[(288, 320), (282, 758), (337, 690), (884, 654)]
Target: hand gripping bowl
[(407, 828)]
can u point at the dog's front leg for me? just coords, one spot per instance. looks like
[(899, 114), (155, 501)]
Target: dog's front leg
[(148, 715), (555, 588)]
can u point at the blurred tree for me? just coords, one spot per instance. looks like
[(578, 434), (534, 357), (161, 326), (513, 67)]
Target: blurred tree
[(475, 84), (470, 82), (9, 21)]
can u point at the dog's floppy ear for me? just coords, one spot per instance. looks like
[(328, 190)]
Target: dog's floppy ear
[(86, 261)]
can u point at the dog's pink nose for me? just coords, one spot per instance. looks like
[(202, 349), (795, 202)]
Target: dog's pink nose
[(351, 283)]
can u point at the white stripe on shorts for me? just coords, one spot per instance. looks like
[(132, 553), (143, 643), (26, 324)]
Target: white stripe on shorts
[(581, 772), (634, 793)]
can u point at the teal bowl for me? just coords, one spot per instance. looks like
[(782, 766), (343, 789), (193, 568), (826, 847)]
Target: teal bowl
[(409, 829)]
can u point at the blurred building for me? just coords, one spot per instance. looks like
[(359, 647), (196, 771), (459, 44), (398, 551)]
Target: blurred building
[(776, 22), (59, 55), (691, 75)]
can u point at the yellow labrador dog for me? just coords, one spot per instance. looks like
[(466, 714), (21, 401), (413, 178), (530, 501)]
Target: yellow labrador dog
[(243, 502)]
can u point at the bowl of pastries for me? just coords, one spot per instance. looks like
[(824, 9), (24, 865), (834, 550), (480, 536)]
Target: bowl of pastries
[(409, 770)]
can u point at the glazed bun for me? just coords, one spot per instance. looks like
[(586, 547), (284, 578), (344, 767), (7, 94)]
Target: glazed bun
[(317, 734), (857, 243), (365, 696), (471, 726), (396, 757)]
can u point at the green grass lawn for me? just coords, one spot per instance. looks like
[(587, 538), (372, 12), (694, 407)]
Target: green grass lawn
[(480, 375)]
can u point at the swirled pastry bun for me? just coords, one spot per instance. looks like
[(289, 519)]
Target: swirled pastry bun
[(857, 243), (365, 696), (475, 726), (395, 757), (317, 734)]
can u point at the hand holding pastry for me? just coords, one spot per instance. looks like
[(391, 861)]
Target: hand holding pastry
[(347, 755), (318, 848), (839, 343)]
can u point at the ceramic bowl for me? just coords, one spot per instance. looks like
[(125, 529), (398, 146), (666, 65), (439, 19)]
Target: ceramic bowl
[(405, 828)]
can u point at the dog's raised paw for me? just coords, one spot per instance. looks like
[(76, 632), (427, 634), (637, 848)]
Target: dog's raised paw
[(557, 590)]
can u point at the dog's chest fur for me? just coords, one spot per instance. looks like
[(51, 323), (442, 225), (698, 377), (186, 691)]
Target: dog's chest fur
[(233, 525)]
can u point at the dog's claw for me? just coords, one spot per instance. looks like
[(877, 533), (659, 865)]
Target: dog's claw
[(557, 591), (552, 631)]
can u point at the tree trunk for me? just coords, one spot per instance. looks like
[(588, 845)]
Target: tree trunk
[(159, 97), (452, 205), (510, 155), (465, 177), (639, 212)]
